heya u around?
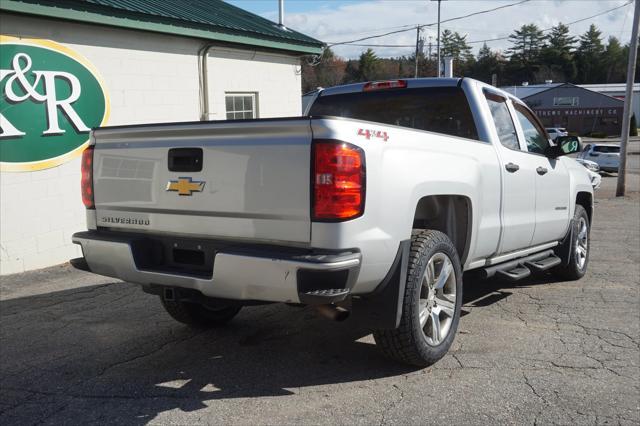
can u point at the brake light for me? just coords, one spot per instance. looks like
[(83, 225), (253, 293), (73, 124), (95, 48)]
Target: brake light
[(338, 181), (388, 84), (87, 178)]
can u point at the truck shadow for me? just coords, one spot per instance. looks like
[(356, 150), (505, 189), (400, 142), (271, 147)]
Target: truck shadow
[(111, 352), (481, 293)]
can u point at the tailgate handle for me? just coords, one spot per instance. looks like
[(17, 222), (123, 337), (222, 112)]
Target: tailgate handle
[(185, 159)]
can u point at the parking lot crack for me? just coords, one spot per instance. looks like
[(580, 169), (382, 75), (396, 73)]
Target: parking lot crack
[(533, 389)]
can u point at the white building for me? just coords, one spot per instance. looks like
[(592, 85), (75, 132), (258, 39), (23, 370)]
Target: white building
[(69, 66)]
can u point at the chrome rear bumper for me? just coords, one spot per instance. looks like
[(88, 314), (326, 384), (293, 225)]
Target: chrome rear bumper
[(259, 274)]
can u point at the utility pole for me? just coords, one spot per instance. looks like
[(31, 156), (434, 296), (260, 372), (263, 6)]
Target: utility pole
[(626, 120), (417, 49), (438, 48)]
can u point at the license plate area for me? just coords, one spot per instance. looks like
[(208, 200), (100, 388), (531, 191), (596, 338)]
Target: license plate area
[(175, 256)]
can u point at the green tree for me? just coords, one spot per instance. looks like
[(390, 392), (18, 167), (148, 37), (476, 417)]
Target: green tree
[(527, 43), (556, 56), (352, 71), (369, 66), (615, 61), (455, 45), (487, 64), (524, 54), (589, 57)]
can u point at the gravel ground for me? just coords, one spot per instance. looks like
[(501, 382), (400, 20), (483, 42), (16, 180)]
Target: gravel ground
[(78, 348)]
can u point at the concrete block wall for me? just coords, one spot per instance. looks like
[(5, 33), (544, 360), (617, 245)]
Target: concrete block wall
[(266, 74), (149, 77)]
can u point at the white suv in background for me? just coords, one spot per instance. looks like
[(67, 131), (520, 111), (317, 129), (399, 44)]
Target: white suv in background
[(554, 132), (607, 156)]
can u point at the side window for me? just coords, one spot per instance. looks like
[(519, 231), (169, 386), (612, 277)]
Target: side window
[(240, 105), (534, 135), (502, 120)]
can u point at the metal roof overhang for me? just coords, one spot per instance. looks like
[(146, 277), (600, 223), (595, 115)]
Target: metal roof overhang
[(184, 31)]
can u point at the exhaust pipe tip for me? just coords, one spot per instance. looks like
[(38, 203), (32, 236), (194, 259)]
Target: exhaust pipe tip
[(332, 312)]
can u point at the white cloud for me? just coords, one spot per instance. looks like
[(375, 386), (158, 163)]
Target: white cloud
[(360, 19)]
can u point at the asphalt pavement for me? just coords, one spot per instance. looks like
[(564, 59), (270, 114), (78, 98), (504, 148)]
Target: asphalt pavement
[(79, 349)]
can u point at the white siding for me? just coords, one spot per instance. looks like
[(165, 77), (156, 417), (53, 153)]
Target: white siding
[(149, 77)]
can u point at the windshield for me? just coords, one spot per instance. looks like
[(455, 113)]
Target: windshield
[(605, 148), (436, 109)]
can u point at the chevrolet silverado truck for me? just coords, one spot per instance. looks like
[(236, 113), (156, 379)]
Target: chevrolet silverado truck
[(375, 203)]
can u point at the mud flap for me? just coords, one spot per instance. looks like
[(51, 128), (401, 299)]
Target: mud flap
[(382, 308), (563, 250)]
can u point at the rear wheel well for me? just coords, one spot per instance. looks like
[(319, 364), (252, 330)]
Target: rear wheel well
[(585, 199), (449, 214)]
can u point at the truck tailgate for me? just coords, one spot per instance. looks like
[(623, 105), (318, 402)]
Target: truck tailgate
[(253, 183)]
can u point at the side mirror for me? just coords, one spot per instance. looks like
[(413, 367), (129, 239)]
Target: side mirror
[(565, 145)]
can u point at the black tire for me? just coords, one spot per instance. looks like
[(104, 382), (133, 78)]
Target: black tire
[(409, 343), (572, 268), (197, 315)]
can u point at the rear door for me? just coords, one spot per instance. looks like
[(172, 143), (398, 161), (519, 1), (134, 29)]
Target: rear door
[(240, 179), (551, 180)]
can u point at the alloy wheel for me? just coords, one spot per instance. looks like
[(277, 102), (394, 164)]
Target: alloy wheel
[(437, 299)]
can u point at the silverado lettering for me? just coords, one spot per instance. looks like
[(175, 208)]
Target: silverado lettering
[(125, 220)]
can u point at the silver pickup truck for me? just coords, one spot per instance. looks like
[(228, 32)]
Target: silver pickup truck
[(374, 203)]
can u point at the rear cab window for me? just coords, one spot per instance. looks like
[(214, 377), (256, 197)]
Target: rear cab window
[(436, 109)]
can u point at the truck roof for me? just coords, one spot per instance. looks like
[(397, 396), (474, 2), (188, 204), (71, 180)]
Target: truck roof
[(411, 84)]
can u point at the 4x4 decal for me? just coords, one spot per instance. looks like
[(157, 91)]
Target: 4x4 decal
[(367, 133)]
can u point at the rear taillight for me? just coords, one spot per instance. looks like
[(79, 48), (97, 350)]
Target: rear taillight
[(87, 178), (387, 84), (338, 181)]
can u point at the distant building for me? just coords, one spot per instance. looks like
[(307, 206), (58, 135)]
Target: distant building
[(580, 109)]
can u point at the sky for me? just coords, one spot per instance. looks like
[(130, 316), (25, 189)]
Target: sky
[(341, 20)]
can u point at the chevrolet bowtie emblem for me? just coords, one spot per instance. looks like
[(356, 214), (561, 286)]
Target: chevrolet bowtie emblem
[(185, 186)]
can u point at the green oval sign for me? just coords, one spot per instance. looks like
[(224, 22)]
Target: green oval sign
[(51, 98)]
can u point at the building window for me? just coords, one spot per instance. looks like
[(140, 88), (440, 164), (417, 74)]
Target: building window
[(566, 101), (241, 105)]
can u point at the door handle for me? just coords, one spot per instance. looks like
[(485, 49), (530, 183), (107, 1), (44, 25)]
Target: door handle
[(542, 170), (185, 159), (512, 168)]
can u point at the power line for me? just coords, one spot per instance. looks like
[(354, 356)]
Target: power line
[(369, 38), (375, 30), (567, 24), (429, 25), (479, 13), (383, 45), (504, 37)]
